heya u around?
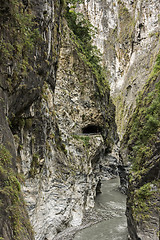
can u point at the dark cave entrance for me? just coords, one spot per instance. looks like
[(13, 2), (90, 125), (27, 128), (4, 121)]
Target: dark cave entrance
[(92, 129)]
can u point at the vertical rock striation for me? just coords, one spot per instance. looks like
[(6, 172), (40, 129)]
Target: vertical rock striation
[(57, 118), (128, 38), (56, 124), (142, 150)]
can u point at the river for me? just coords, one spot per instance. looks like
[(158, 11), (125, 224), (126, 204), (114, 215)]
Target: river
[(111, 203)]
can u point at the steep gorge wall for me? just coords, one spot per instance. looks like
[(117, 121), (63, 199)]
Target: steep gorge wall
[(140, 147), (128, 38), (27, 49), (56, 124)]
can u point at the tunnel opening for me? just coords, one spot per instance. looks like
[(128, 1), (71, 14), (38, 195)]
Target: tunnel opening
[(91, 129)]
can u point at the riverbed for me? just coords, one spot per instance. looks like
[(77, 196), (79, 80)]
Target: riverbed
[(110, 204)]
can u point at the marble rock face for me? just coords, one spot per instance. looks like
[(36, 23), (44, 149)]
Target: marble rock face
[(63, 149), (56, 124), (128, 38), (59, 129)]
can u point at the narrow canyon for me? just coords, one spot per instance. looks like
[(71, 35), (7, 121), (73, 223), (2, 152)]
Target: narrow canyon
[(79, 119)]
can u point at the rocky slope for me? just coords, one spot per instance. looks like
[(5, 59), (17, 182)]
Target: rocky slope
[(57, 122)]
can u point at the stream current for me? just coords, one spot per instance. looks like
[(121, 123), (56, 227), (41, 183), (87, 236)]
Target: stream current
[(110, 204)]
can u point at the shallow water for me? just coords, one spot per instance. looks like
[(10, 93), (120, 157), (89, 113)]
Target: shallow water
[(111, 205)]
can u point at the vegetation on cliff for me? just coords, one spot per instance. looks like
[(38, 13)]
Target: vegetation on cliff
[(12, 207), (19, 40), (82, 35), (143, 146), (19, 37), (147, 119)]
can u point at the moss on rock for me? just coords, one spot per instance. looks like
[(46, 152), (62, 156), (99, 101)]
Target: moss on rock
[(12, 205), (142, 141)]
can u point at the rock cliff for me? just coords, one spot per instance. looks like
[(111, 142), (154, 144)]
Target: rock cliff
[(57, 119), (128, 38), (57, 122), (142, 150)]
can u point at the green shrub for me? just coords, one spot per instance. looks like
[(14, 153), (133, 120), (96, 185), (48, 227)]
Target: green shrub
[(84, 139), (145, 121), (144, 192), (83, 31)]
